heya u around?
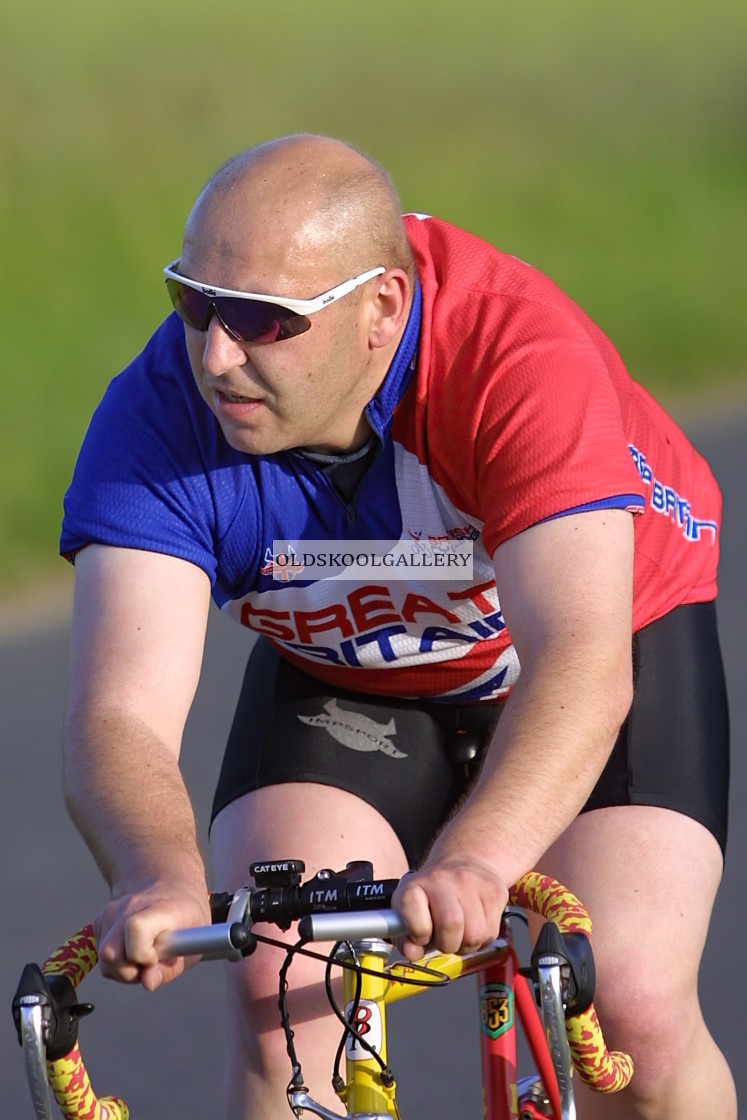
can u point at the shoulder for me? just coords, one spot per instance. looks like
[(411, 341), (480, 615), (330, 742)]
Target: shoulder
[(483, 307), (496, 332), (161, 366), (457, 261), (153, 410), (446, 252), (154, 471)]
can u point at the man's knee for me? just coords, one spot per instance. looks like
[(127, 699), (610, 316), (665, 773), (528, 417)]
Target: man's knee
[(253, 993), (656, 1021)]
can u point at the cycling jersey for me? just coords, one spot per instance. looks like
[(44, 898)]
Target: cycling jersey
[(504, 406)]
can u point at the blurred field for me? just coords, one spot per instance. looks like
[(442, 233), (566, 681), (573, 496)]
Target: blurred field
[(603, 142)]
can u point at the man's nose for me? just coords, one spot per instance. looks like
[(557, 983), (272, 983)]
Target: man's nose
[(221, 351)]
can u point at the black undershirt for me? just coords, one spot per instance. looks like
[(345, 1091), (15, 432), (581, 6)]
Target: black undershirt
[(345, 472)]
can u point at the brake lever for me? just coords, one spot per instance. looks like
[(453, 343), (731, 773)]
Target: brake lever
[(575, 957), (46, 1014), (31, 1031), (32, 1013)]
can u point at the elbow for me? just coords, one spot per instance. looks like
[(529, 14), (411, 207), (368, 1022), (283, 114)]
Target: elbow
[(620, 695), (70, 767), (625, 703), (78, 764)]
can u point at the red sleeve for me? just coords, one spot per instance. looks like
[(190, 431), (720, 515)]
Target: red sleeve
[(551, 435), (524, 412)]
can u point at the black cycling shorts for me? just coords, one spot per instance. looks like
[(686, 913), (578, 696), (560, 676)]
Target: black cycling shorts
[(407, 757)]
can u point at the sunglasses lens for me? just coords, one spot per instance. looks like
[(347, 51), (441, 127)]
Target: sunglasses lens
[(190, 305), (251, 320), (246, 319)]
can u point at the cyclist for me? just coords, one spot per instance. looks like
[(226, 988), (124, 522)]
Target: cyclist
[(451, 395)]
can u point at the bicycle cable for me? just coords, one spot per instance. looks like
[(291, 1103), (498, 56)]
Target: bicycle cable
[(435, 979), (330, 960), (337, 1081), (296, 1081), (387, 1076)]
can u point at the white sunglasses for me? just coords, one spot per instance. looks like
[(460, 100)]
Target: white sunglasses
[(248, 316)]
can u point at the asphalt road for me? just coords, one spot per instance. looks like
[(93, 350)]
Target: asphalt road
[(162, 1052)]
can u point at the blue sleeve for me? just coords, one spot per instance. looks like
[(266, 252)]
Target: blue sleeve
[(632, 503), (153, 464)]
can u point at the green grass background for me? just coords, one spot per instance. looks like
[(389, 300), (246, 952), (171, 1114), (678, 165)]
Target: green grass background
[(604, 142)]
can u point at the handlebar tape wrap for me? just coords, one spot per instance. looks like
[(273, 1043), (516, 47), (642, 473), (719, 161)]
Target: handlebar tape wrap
[(67, 1076), (604, 1071)]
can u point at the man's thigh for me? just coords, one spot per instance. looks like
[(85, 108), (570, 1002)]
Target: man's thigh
[(645, 856), (320, 824), (325, 827)]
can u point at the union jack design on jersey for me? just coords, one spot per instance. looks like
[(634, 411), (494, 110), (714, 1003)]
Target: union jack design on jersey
[(283, 567)]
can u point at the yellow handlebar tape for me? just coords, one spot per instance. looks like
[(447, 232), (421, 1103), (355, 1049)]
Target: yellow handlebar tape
[(604, 1071), (67, 1076)]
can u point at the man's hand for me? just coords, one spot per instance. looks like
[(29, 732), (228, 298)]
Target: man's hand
[(454, 904), (127, 933)]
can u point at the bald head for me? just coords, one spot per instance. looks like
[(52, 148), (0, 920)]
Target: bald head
[(304, 198)]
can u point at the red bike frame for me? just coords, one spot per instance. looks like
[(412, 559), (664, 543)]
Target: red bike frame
[(505, 998)]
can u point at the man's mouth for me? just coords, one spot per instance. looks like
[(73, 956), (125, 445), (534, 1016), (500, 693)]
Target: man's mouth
[(229, 397)]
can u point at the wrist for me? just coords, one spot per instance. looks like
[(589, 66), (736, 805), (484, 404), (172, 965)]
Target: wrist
[(454, 849), (183, 872)]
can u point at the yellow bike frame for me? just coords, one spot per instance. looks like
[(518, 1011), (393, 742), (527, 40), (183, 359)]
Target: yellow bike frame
[(366, 1091)]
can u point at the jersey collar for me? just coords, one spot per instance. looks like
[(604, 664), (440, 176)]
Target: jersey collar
[(380, 409)]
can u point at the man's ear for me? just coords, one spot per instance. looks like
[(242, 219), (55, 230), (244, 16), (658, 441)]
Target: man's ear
[(389, 308)]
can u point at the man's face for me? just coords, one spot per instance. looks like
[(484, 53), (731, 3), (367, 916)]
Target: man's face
[(308, 391)]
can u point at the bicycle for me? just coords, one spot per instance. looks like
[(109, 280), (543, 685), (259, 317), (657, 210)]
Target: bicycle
[(551, 998)]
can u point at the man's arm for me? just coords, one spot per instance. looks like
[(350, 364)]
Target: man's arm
[(565, 588), (138, 634)]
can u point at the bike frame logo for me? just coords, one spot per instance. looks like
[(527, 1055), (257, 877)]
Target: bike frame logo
[(496, 1009), (368, 1025)]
